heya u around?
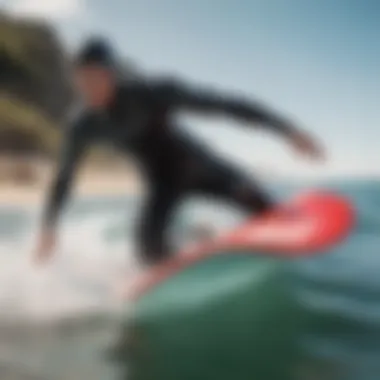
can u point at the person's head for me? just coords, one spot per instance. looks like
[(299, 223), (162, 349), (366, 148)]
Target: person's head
[(95, 72)]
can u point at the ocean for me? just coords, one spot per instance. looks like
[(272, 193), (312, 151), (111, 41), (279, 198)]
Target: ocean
[(57, 322)]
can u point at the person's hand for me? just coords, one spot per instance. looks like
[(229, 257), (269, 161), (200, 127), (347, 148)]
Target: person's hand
[(46, 243), (306, 145)]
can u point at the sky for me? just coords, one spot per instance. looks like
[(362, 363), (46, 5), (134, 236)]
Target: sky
[(314, 61)]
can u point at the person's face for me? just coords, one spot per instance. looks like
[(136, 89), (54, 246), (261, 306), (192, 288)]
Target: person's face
[(96, 85)]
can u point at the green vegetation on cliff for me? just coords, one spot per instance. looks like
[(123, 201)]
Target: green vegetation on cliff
[(35, 91), (23, 128)]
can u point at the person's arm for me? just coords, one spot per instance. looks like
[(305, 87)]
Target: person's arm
[(73, 147), (176, 94)]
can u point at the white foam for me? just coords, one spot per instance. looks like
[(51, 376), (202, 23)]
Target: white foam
[(81, 277), (84, 274)]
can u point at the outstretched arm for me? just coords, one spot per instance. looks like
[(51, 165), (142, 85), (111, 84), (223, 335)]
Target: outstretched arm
[(178, 94), (74, 145), (71, 152)]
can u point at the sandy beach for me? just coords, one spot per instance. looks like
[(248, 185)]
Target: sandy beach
[(89, 182)]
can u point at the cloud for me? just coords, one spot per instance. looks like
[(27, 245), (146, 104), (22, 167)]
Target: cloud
[(49, 9)]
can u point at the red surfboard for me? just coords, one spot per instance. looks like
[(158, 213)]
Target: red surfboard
[(308, 224)]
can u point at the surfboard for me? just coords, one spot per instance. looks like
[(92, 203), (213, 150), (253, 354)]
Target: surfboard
[(308, 224)]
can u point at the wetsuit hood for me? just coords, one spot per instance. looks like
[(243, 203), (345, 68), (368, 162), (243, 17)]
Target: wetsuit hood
[(97, 51)]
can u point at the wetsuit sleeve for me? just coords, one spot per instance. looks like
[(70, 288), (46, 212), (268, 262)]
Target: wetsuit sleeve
[(177, 94), (72, 149)]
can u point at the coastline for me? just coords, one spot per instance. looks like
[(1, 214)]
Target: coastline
[(102, 179), (89, 182)]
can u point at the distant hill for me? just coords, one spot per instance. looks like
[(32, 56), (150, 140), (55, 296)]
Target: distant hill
[(35, 91)]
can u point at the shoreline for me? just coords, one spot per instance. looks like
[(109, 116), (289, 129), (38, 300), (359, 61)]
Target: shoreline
[(101, 180), (87, 185), (107, 184)]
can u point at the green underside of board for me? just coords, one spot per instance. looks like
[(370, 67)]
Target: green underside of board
[(228, 317)]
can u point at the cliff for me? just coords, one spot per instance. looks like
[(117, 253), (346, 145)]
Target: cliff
[(35, 88)]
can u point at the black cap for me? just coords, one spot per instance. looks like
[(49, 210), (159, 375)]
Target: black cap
[(96, 51)]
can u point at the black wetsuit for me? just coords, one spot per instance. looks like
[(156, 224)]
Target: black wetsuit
[(140, 120)]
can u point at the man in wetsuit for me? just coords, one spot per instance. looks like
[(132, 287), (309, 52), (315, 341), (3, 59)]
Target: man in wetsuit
[(137, 116)]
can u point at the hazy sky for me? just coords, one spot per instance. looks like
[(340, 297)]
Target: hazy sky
[(317, 61)]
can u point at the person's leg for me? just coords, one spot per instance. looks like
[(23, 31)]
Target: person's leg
[(152, 235), (222, 180)]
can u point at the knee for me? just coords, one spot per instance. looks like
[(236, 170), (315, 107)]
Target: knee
[(256, 200), (153, 250)]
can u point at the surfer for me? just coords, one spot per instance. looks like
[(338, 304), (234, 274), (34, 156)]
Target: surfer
[(136, 115)]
